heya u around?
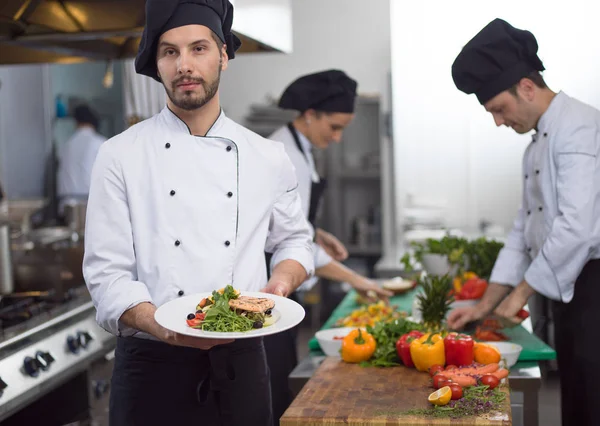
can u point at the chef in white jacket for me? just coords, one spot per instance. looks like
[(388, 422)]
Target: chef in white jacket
[(187, 202), (554, 246), (325, 104), (77, 156)]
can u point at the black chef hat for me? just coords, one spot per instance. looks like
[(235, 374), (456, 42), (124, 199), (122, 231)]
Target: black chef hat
[(496, 59), (328, 91), (83, 114), (164, 15)]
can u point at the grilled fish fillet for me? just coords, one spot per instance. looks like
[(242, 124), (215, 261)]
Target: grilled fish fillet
[(252, 304)]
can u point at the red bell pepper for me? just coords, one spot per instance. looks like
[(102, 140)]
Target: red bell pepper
[(459, 349), (403, 347), (473, 289)]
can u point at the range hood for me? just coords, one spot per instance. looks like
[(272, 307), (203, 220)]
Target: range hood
[(65, 31)]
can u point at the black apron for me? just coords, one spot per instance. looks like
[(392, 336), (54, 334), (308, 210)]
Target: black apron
[(317, 190), (156, 384), (577, 349), (281, 348)]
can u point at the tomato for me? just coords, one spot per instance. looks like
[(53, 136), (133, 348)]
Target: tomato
[(438, 379), (445, 382), (451, 367), (200, 316), (194, 323), (457, 391), (490, 380), (434, 369), (473, 288), (523, 314)]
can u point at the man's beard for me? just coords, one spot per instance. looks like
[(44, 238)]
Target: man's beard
[(188, 100)]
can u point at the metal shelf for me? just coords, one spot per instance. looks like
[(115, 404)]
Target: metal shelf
[(364, 250), (360, 174)]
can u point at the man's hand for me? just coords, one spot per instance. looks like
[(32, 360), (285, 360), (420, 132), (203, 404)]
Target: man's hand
[(277, 287), (177, 339), (331, 245), (370, 290), (286, 278), (141, 317), (515, 301), (459, 317)]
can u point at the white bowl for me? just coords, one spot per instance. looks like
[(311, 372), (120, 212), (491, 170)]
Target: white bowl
[(437, 264), (509, 351), (326, 340)]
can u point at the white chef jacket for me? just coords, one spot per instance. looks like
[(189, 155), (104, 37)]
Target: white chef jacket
[(172, 214), (306, 173), (557, 229), (76, 159)]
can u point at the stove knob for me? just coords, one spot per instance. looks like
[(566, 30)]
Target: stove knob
[(31, 366), (84, 338), (44, 359), (73, 344), (3, 386)]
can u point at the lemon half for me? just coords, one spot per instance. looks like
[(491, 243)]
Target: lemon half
[(441, 396)]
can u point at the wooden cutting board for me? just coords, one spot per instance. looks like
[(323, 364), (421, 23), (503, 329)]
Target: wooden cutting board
[(341, 393)]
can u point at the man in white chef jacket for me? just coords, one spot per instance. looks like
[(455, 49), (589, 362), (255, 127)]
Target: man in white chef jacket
[(325, 103), (554, 246), (183, 203), (77, 156)]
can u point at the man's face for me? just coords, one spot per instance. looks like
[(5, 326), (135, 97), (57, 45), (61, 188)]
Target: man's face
[(511, 110), (325, 128), (189, 64)]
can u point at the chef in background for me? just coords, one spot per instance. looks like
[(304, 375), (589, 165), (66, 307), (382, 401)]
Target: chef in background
[(554, 246), (325, 104), (76, 157)]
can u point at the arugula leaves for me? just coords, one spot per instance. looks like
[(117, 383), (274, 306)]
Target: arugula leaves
[(386, 335), (220, 317)]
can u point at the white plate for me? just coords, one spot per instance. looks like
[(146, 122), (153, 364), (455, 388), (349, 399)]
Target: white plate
[(172, 316)]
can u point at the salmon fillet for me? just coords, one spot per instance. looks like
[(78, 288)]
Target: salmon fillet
[(252, 304)]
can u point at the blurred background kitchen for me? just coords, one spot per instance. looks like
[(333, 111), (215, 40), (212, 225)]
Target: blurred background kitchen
[(420, 158)]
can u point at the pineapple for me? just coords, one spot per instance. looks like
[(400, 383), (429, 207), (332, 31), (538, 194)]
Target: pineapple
[(435, 300)]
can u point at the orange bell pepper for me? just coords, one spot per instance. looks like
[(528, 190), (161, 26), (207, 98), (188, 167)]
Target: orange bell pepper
[(358, 346), (486, 354)]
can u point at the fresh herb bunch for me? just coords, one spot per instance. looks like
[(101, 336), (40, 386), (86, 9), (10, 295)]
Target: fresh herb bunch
[(476, 400), (386, 335), (481, 256), (450, 246), (435, 300), (477, 256)]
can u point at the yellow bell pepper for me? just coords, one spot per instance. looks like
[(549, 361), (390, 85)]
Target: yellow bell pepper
[(457, 284), (469, 275), (458, 281), (427, 351)]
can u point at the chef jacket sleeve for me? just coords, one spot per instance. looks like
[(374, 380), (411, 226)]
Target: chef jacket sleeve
[(290, 235), (513, 260), (109, 264), (569, 243), (321, 256)]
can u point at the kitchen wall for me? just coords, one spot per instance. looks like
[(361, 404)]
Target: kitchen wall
[(84, 81), (28, 123), (351, 35), (24, 129), (447, 148)]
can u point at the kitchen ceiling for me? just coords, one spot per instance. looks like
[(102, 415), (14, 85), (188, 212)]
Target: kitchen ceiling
[(64, 31)]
